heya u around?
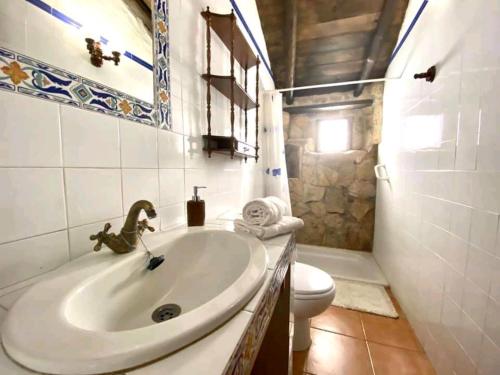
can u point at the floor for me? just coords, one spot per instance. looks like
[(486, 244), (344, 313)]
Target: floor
[(347, 342)]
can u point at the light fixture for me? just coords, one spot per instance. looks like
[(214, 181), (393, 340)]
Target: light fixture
[(97, 57)]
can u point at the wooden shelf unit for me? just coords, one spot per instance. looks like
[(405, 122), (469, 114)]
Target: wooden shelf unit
[(223, 85), (223, 145), (224, 26)]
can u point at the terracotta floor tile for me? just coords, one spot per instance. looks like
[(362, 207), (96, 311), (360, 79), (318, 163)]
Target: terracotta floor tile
[(394, 348), (394, 361), (388, 331), (333, 354), (343, 321)]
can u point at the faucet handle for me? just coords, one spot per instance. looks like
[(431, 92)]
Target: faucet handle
[(142, 225), (101, 236)]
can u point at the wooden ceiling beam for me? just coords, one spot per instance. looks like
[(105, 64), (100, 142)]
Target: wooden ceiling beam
[(363, 23), (332, 70), (324, 90), (268, 8), (318, 79), (317, 11), (383, 27), (309, 33), (334, 43), (291, 45), (330, 106), (339, 42), (322, 58), (271, 23), (332, 38)]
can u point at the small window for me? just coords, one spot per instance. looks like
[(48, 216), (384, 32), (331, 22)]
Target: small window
[(334, 136)]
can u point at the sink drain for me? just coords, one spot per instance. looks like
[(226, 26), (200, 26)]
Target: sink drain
[(166, 312)]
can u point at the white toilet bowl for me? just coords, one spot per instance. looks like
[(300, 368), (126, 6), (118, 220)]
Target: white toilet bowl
[(314, 291)]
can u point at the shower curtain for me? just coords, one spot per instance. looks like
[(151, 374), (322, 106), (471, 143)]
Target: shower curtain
[(275, 177)]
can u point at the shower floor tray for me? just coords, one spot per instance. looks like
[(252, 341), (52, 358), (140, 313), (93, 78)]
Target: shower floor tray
[(341, 263)]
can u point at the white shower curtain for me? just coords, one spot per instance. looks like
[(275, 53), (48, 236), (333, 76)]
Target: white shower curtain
[(275, 177)]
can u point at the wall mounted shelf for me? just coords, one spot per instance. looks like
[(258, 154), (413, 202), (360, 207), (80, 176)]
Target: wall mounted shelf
[(224, 26), (224, 144), (223, 85)]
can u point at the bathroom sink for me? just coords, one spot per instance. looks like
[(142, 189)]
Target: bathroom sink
[(92, 319)]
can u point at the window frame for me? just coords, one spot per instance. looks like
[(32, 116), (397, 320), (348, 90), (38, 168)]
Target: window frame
[(349, 133)]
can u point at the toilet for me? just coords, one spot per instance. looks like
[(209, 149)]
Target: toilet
[(314, 291)]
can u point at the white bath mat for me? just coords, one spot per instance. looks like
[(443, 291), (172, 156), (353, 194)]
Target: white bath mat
[(364, 297)]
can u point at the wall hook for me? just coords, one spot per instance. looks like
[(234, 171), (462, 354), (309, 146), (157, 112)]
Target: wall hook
[(429, 75)]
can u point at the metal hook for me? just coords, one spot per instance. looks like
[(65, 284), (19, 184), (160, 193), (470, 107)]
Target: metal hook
[(429, 75)]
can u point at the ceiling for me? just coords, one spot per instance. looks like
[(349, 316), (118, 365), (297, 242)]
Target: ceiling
[(323, 41)]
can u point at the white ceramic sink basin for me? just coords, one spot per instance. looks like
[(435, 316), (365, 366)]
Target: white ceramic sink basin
[(98, 318)]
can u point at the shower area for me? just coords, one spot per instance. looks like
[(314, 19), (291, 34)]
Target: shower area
[(331, 145), (331, 154), (329, 62), (429, 224)]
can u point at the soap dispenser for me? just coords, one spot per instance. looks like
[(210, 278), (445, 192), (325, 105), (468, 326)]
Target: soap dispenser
[(196, 209)]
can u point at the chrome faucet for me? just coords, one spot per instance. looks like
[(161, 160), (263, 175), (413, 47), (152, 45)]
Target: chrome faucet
[(126, 241)]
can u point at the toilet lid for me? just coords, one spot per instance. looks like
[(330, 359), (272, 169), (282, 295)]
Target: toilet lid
[(311, 280)]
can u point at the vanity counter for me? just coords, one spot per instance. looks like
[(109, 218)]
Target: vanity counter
[(230, 349)]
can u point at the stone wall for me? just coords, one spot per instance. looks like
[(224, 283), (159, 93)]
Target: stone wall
[(335, 193)]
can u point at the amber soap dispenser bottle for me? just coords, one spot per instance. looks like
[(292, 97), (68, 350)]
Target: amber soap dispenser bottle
[(196, 209)]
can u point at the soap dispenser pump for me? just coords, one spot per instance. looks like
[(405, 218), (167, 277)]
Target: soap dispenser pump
[(196, 209)]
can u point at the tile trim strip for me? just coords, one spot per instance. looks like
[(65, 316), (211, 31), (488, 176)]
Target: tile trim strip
[(25, 75), (55, 84), (243, 357), (161, 55)]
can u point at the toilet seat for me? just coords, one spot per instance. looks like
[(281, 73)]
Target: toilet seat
[(311, 282)]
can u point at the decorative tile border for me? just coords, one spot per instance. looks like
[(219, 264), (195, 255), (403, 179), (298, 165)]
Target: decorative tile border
[(28, 76), (25, 75), (161, 54), (243, 357)]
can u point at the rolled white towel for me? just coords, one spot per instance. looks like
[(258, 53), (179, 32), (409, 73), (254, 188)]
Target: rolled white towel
[(264, 211), (282, 206), (287, 224)]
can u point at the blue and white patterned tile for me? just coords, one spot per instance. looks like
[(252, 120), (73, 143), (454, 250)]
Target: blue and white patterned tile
[(162, 64), (28, 76)]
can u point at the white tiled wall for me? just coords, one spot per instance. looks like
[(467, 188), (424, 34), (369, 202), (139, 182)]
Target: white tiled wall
[(437, 232), (65, 172)]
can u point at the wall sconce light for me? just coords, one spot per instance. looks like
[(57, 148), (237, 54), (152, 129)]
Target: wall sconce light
[(97, 56)]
